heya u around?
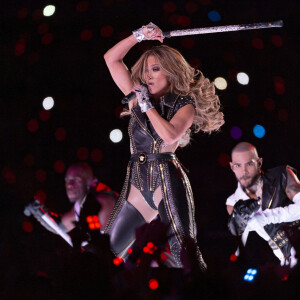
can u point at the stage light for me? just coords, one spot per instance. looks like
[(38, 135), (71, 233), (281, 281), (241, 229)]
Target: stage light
[(277, 40), (116, 135), (279, 85), (153, 284), (188, 43), (214, 16), (59, 166), (8, 174), (224, 159), (236, 132), (41, 175), (243, 100), (269, 104), (49, 10), (220, 83), (169, 7), (48, 103), (106, 31), (96, 155), (191, 7), (259, 131), (258, 43), (83, 153), (242, 78), (27, 226), (60, 134), (86, 35), (47, 39), (33, 125), (250, 274)]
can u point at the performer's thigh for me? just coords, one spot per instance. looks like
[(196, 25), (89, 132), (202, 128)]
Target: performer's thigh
[(137, 200), (122, 231)]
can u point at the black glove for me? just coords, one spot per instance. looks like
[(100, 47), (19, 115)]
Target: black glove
[(242, 211)]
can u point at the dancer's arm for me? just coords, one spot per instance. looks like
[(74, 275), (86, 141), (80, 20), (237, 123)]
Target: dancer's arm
[(114, 58)]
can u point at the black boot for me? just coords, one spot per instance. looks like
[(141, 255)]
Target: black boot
[(122, 231)]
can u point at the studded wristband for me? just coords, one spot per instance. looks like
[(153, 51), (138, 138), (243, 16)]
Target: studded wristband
[(138, 34)]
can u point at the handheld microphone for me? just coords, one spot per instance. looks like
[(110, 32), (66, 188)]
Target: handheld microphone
[(131, 95)]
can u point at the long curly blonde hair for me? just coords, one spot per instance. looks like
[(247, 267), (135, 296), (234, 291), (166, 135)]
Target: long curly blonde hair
[(185, 80)]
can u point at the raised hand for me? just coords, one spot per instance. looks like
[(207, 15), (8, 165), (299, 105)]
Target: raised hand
[(149, 32), (142, 94)]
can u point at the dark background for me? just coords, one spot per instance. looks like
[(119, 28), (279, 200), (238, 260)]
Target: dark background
[(62, 56)]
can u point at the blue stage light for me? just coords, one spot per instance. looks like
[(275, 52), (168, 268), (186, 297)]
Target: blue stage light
[(259, 131), (214, 16), (250, 275)]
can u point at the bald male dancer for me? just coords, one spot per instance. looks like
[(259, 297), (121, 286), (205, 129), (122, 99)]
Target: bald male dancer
[(263, 201), (87, 202)]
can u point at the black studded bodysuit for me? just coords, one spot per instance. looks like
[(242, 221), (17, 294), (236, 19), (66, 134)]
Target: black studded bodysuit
[(150, 169)]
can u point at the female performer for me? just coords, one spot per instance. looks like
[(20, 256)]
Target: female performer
[(172, 98)]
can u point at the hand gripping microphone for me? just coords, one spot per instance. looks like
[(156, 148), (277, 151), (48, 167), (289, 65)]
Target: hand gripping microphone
[(131, 95)]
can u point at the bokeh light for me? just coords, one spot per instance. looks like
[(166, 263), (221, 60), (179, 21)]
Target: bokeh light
[(191, 7), (242, 78), (20, 47), (283, 115), (116, 135), (279, 85), (82, 6), (183, 21), (8, 175), (27, 226), (224, 159), (47, 39), (59, 166), (277, 40), (83, 153), (236, 132), (259, 131), (60, 134), (269, 104), (33, 125), (41, 175), (258, 43), (106, 31), (169, 7), (48, 103), (153, 284), (243, 100), (86, 35), (214, 16), (96, 155), (188, 42), (220, 83), (49, 10)]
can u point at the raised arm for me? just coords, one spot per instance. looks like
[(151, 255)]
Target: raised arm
[(114, 61), (114, 56)]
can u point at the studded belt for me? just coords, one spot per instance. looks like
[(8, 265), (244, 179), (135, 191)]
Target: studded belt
[(143, 157)]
